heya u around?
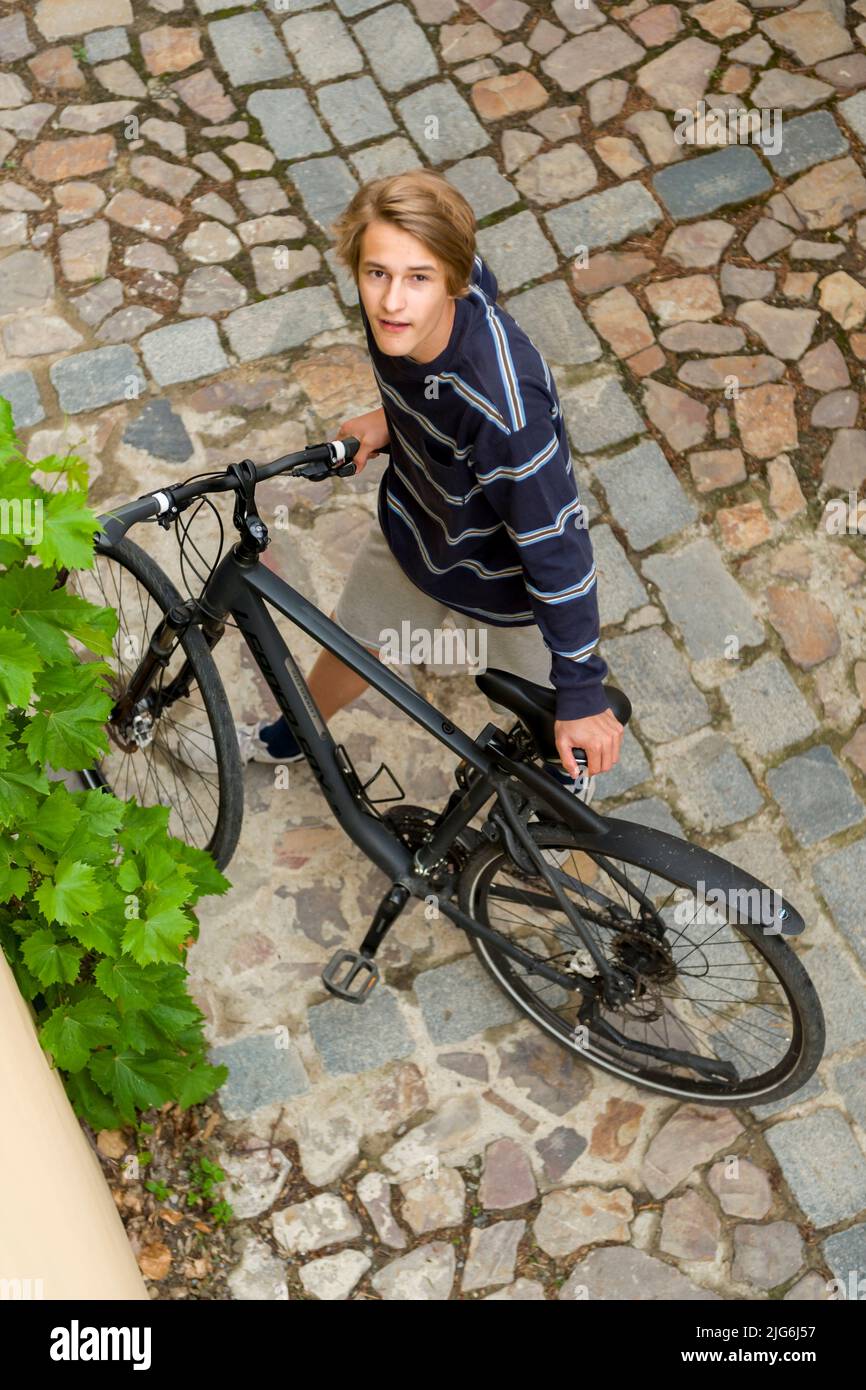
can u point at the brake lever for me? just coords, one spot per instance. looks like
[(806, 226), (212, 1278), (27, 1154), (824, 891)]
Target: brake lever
[(320, 469)]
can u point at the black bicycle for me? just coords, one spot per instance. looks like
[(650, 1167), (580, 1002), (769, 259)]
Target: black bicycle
[(644, 954)]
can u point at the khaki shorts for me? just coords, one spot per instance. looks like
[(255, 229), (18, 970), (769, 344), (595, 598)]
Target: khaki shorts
[(378, 597)]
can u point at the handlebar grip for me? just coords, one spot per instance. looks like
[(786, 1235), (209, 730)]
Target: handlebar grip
[(115, 524)]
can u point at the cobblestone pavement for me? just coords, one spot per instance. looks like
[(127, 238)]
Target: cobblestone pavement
[(170, 303)]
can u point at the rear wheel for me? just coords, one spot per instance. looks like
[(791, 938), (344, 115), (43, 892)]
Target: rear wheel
[(178, 752), (704, 986)]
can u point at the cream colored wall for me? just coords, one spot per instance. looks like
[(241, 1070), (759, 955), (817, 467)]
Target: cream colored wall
[(58, 1222)]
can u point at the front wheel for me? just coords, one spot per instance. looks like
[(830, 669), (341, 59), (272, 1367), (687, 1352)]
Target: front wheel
[(725, 992), (179, 748)]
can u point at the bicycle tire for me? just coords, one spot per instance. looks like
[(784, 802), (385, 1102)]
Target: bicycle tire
[(808, 1032), (222, 842)]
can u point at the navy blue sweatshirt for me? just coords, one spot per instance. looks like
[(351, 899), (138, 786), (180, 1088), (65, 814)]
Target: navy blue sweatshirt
[(479, 501)]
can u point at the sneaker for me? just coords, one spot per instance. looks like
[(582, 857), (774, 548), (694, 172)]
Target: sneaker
[(581, 787), (268, 741)]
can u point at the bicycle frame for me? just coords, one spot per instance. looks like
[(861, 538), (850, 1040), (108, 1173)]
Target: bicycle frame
[(243, 588)]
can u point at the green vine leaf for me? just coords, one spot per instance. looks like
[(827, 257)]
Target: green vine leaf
[(19, 662), (68, 528), (53, 962), (133, 1081), (47, 617), (71, 895), (74, 1030)]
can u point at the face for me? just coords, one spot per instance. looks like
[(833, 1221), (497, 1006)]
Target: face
[(402, 287)]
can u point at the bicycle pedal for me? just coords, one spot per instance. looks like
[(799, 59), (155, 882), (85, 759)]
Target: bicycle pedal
[(341, 984)]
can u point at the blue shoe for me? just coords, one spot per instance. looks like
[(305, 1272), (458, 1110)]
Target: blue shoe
[(266, 742), (581, 787)]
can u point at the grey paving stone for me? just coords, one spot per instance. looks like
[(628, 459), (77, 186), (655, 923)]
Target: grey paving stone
[(599, 414), (183, 351), (516, 250), (841, 993), (159, 432), (22, 393), (350, 1039), (91, 379), (260, 1073), (840, 877), (394, 156), (277, 324), (767, 707), (644, 493), (106, 43), (823, 1165), (549, 316), (355, 110), (482, 185), (853, 110), (741, 283), (325, 185), (261, 196), (322, 46), (15, 42), (281, 8), (26, 280), (214, 6), (845, 1253), (248, 49), (768, 1255), (619, 1272), (812, 1088), (632, 769), (351, 7), (619, 589), (397, 48), (851, 1082), (346, 287), (441, 123), (698, 186), (127, 324), (290, 125), (650, 811), (715, 784), (648, 667), (807, 140), (458, 1000), (603, 219), (703, 599), (94, 304), (815, 794)]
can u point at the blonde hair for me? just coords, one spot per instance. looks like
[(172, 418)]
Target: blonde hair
[(422, 203)]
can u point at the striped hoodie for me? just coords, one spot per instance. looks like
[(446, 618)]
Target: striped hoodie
[(479, 501)]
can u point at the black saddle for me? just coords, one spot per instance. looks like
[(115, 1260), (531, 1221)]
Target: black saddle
[(535, 705)]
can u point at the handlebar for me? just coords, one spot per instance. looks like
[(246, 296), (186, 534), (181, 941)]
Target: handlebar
[(319, 461)]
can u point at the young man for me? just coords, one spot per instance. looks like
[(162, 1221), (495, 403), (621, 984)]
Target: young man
[(478, 511)]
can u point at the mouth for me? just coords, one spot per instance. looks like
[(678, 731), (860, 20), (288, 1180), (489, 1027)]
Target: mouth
[(392, 326)]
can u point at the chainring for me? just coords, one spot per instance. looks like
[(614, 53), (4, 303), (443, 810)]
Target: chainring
[(414, 825)]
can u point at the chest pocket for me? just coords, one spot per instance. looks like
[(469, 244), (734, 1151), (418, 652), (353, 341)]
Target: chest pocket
[(453, 476)]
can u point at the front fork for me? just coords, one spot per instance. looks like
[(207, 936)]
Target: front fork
[(139, 699)]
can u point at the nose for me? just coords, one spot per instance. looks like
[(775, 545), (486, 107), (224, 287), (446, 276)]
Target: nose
[(392, 302)]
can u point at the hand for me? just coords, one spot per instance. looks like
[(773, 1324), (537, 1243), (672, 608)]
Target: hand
[(371, 429), (599, 735)]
